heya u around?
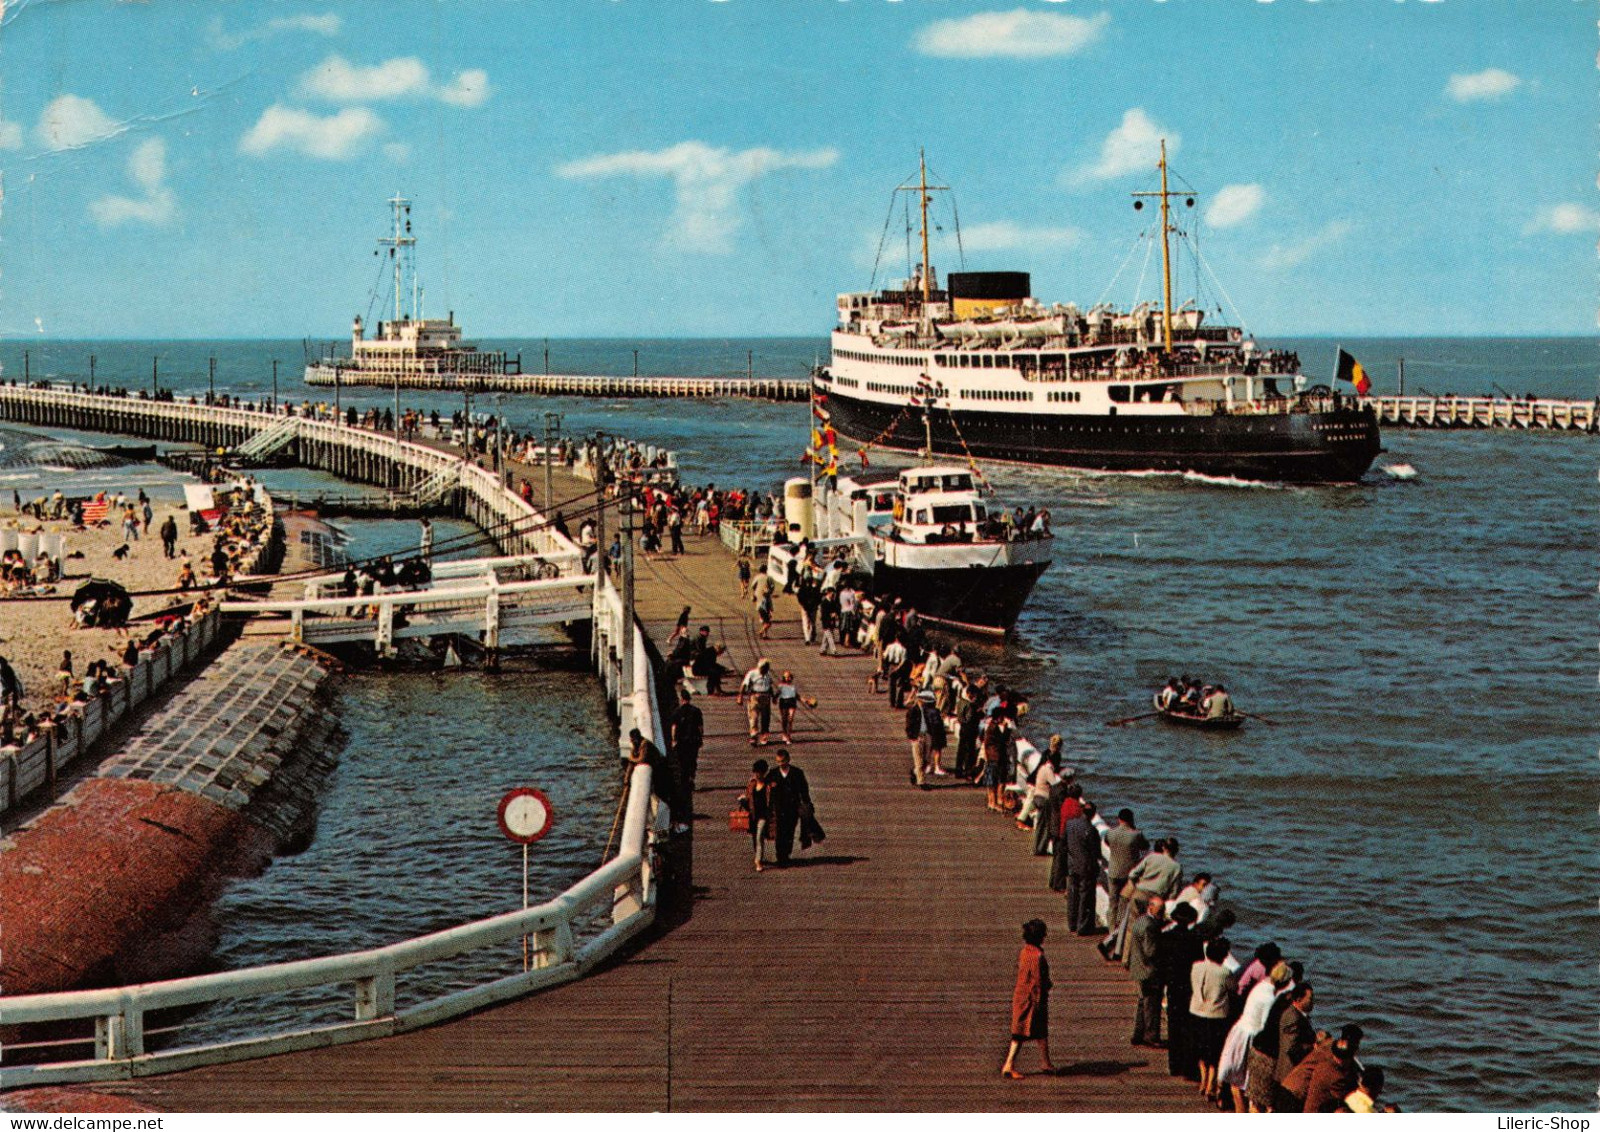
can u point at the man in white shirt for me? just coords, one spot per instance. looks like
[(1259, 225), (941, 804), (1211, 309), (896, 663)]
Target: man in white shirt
[(757, 686)]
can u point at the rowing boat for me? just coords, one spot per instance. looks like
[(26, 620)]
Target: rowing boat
[(1230, 722)]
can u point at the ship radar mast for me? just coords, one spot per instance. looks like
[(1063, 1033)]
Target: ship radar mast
[(922, 189), (1167, 228), (400, 243)]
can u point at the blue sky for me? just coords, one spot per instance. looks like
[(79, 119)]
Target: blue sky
[(692, 167)]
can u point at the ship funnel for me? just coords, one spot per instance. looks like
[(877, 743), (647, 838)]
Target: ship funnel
[(799, 515)]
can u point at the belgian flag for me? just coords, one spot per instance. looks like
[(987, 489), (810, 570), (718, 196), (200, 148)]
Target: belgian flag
[(1350, 370)]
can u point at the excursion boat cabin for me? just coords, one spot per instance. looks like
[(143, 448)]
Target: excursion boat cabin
[(938, 504)]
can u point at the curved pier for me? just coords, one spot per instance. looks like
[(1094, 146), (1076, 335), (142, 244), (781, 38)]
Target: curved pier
[(583, 385)]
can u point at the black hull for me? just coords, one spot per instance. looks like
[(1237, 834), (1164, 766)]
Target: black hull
[(974, 599), (1336, 446), (1202, 723)]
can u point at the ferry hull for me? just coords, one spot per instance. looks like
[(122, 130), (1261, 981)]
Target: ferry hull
[(1337, 446), (975, 599)]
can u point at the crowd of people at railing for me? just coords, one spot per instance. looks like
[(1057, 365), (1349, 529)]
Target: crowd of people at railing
[(1236, 1024)]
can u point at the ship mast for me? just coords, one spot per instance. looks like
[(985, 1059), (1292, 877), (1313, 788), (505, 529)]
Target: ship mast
[(1166, 255), (402, 238), (922, 189)]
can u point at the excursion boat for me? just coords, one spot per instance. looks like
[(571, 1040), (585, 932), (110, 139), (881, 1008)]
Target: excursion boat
[(1151, 388), (408, 349), (933, 542)]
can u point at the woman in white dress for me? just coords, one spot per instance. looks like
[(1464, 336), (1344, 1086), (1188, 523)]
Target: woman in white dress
[(1236, 1050)]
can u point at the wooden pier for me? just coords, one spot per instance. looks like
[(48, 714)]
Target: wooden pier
[(1449, 411), (876, 973), (585, 385)]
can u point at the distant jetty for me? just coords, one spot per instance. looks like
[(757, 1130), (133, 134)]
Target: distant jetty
[(578, 384)]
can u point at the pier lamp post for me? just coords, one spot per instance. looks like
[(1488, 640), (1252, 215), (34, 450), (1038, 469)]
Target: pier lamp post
[(213, 380), (636, 363), (274, 385), (552, 430), (155, 376), (92, 360)]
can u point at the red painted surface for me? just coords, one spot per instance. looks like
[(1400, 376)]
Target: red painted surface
[(111, 887)]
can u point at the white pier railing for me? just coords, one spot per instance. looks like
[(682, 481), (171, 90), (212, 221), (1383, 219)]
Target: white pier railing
[(582, 928), (570, 935)]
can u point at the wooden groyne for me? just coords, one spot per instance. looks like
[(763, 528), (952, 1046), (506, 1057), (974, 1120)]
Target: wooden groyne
[(585, 385), (1449, 411)]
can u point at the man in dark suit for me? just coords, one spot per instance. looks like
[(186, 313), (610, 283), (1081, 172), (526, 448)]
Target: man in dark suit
[(788, 791), (687, 729), (1083, 870), (1142, 969)]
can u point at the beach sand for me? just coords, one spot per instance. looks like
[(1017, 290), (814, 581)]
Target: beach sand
[(34, 633)]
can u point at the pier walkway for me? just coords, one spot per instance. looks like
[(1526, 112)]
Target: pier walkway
[(874, 974), (584, 384), (1450, 411)]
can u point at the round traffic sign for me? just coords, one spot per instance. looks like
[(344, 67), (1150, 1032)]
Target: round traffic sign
[(525, 814)]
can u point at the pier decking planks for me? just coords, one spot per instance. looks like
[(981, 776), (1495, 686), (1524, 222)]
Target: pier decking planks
[(875, 975)]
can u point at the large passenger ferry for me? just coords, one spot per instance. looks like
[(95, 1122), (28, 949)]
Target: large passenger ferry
[(408, 349), (1149, 388)]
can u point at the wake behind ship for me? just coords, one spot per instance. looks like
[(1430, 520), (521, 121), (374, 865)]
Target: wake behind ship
[(1144, 389)]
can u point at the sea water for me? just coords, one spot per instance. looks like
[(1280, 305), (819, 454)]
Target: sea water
[(1417, 825)]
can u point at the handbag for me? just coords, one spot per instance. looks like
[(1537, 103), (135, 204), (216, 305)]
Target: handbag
[(739, 820)]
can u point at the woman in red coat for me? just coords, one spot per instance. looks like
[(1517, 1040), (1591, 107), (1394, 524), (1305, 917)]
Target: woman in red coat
[(1030, 1001)]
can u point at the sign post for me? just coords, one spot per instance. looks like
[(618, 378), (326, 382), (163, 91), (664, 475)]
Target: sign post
[(525, 816)]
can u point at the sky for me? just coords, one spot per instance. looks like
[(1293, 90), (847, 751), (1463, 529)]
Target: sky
[(665, 168)]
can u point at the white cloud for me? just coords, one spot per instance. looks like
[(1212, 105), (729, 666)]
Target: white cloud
[(1234, 204), (707, 179), (1492, 83), (398, 152), (1133, 147), (10, 135), (147, 168), (1000, 236), (336, 79), (469, 88), (333, 138), (1021, 34), (1564, 219), (328, 25), (70, 121), (1280, 257)]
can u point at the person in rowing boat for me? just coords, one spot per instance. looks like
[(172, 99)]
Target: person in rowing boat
[(1190, 700), (1218, 705), (1168, 697)]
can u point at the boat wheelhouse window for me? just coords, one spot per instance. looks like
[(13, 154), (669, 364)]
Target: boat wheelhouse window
[(921, 517), (883, 501), (952, 513), (1118, 393), (960, 481), (980, 512)]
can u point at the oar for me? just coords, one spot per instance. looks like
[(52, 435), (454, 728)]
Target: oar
[(1262, 718), (1131, 719)]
